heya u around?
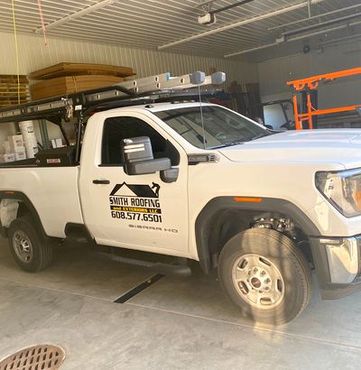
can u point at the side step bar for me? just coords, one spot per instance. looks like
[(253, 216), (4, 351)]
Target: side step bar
[(163, 268)]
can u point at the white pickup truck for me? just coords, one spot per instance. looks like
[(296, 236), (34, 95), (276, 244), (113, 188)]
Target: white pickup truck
[(201, 182)]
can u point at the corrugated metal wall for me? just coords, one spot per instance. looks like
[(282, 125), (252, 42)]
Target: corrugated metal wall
[(274, 74), (35, 55)]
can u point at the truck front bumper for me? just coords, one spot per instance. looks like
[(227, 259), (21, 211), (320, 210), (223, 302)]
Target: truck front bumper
[(338, 265)]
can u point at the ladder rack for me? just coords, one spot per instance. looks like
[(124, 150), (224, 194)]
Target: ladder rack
[(128, 92)]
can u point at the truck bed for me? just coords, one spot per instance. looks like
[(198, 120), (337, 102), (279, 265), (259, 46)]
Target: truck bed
[(53, 191)]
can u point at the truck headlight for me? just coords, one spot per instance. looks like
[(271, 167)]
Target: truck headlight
[(342, 189)]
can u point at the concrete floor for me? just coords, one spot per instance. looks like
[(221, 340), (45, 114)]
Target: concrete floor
[(177, 323)]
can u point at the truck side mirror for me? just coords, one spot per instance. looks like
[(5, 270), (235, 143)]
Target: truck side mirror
[(138, 159)]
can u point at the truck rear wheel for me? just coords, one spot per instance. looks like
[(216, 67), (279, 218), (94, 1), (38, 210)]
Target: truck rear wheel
[(29, 248), (265, 275)]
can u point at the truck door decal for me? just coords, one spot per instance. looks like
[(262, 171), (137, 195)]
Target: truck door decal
[(136, 202)]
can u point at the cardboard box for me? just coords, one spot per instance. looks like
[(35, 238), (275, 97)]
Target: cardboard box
[(16, 143), (7, 147), (57, 143), (20, 156), (8, 157), (18, 149)]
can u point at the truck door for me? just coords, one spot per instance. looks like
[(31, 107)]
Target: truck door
[(140, 211)]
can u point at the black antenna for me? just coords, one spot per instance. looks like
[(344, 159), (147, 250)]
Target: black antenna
[(202, 120), (198, 78)]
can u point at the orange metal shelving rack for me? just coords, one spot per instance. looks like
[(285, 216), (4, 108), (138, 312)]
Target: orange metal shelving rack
[(309, 85)]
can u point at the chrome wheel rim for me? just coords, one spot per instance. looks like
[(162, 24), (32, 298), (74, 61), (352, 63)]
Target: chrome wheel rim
[(258, 281), (22, 246)]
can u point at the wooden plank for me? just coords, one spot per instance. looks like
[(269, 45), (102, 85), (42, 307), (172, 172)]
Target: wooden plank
[(61, 86), (9, 90), (13, 79), (78, 69), (13, 89), (13, 83), (11, 86), (11, 102), (14, 93), (14, 96)]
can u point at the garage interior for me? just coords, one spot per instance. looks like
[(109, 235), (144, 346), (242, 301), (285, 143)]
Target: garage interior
[(107, 314)]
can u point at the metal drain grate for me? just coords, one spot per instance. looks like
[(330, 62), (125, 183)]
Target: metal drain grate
[(41, 357)]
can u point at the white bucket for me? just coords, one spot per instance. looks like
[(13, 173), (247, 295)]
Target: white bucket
[(30, 142)]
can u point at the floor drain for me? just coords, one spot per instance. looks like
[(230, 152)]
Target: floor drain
[(41, 357)]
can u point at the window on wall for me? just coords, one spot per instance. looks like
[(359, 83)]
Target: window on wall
[(119, 128)]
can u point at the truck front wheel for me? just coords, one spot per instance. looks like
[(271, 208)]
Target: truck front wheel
[(29, 248), (265, 275)]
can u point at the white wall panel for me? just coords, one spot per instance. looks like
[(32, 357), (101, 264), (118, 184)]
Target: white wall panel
[(35, 55)]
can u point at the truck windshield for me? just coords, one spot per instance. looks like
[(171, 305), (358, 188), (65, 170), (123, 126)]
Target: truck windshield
[(221, 126)]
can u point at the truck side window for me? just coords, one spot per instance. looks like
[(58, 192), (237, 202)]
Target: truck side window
[(118, 128)]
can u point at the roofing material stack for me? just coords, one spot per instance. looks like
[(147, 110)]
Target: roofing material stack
[(13, 90), (68, 78)]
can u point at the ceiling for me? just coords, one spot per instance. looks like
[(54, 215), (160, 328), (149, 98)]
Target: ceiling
[(168, 24)]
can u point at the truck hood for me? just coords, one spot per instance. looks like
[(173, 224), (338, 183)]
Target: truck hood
[(323, 145)]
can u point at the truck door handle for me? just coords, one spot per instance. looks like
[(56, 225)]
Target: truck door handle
[(101, 182)]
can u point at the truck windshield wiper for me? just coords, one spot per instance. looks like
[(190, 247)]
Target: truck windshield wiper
[(231, 143), (240, 141), (259, 136)]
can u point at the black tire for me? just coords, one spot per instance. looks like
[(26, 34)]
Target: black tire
[(277, 256), (41, 254)]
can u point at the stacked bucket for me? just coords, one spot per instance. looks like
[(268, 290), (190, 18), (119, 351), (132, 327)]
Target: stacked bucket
[(30, 142)]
